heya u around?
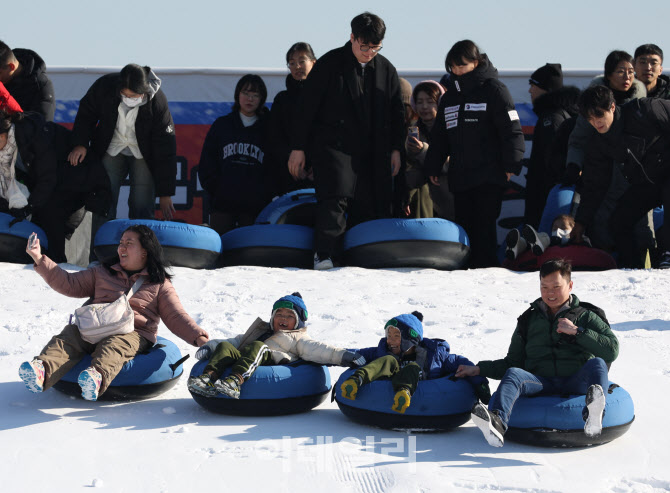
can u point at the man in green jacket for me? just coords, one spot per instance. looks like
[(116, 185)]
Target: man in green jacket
[(558, 347)]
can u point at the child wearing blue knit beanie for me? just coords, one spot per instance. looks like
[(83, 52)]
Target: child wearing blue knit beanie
[(406, 357)]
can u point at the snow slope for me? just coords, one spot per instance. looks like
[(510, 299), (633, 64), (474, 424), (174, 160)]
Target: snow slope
[(54, 443)]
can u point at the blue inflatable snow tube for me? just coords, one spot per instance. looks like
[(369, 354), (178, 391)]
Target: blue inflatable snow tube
[(556, 421), (559, 201), (269, 245), (439, 404), (429, 243), (147, 375), (184, 245), (659, 215), (13, 239), (297, 207), (272, 390)]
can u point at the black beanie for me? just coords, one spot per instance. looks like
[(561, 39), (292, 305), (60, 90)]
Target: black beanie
[(549, 77)]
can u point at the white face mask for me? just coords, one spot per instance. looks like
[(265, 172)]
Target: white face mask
[(563, 234), (131, 102)]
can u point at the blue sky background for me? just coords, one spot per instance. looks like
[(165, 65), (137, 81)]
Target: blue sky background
[(256, 34)]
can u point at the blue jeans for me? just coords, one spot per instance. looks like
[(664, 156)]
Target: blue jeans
[(517, 382), (142, 198)]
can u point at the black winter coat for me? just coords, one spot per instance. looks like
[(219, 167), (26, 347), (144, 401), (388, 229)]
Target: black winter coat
[(662, 89), (638, 141), (552, 109), (96, 120), (43, 147), (478, 128), (232, 168), (335, 130), (282, 121), (32, 89)]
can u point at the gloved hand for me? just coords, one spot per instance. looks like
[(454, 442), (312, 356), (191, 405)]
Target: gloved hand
[(206, 350), (352, 359), (20, 214), (483, 392), (571, 175)]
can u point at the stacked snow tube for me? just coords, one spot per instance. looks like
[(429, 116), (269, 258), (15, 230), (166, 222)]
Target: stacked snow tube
[(298, 207), (14, 239), (147, 375), (269, 245), (425, 243), (272, 390), (556, 421), (582, 257), (559, 201), (184, 245), (437, 405)]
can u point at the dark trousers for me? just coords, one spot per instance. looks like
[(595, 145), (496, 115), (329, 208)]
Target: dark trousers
[(334, 215), (477, 211), (630, 208), (388, 367), (222, 222)]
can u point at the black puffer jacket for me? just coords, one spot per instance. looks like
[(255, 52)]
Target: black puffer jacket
[(96, 120), (282, 121), (478, 128), (662, 89), (32, 89), (43, 147), (639, 139)]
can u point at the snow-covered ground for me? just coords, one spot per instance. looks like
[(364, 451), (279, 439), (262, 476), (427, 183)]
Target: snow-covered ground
[(54, 443)]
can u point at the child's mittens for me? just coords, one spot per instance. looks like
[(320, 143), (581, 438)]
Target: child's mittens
[(352, 359), (483, 392)]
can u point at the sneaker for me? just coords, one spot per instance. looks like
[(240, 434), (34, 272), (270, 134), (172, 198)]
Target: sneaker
[(515, 244), (325, 263), (230, 386), (202, 385), (32, 374), (489, 423), (595, 407), (530, 235), (401, 400), (665, 261), (89, 380), (350, 387)]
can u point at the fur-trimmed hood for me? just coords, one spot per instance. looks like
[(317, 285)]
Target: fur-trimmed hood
[(636, 91)]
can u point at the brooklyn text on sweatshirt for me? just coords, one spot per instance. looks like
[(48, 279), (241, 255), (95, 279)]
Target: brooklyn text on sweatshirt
[(239, 148)]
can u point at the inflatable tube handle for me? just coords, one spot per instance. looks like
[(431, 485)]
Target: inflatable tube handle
[(298, 196), (177, 364), (332, 394)]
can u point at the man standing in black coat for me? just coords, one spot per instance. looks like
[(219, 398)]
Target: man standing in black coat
[(351, 123), (24, 74), (636, 137)]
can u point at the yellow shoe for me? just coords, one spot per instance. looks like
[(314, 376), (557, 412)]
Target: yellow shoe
[(401, 400), (350, 388)]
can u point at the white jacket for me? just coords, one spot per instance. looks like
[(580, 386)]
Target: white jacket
[(286, 345)]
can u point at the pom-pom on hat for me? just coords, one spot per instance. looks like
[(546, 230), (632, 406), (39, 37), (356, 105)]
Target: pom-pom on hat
[(410, 327), (295, 303)]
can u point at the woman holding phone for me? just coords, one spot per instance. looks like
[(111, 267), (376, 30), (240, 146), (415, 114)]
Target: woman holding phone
[(139, 256), (425, 198)]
